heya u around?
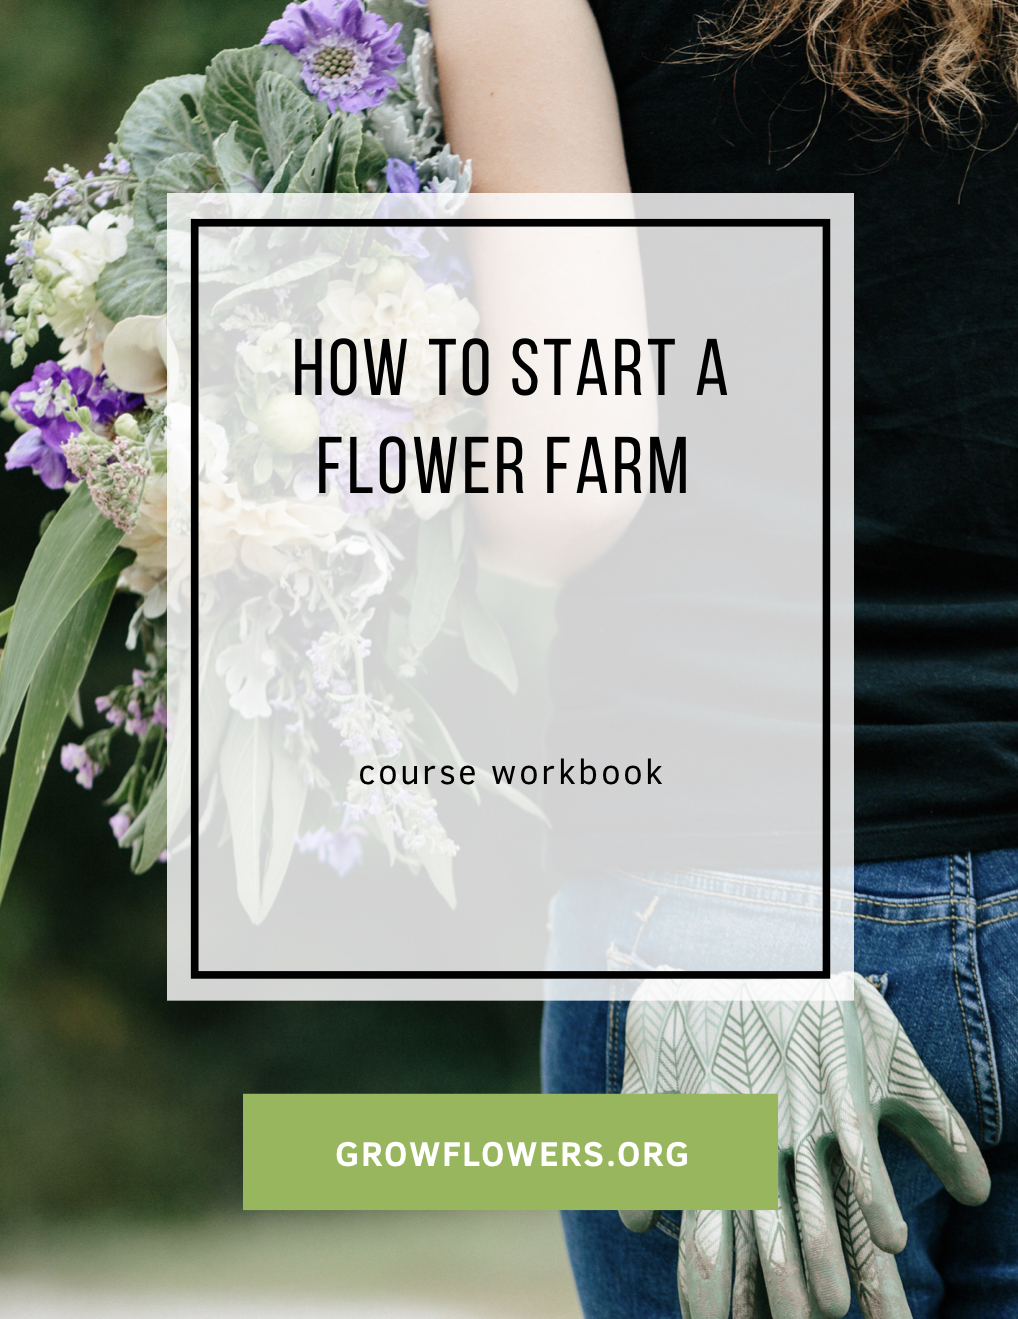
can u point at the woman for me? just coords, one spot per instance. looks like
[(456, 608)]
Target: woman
[(915, 117)]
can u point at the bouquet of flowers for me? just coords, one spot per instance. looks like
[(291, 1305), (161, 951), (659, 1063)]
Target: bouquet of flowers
[(338, 97)]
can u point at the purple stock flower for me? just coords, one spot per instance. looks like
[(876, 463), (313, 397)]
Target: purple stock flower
[(340, 850), (400, 176), (438, 261), (346, 52), (76, 760), (407, 237), (31, 450), (41, 448)]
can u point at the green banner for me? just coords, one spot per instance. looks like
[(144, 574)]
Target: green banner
[(510, 1151)]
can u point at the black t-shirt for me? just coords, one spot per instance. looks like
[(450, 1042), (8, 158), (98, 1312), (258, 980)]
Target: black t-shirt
[(936, 397)]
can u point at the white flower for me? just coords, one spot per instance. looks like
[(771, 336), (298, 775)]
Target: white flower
[(364, 545), (136, 352), (213, 447), (148, 540), (178, 443), (248, 666), (271, 351), (85, 252), (229, 524), (73, 305), (289, 424), (414, 312), (82, 344)]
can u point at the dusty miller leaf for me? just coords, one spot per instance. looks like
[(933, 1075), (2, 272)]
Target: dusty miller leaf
[(231, 90), (134, 285), (160, 124)]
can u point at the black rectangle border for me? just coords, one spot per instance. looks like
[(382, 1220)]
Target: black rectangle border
[(218, 222)]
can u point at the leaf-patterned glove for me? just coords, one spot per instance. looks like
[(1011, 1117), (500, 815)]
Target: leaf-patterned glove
[(838, 1067)]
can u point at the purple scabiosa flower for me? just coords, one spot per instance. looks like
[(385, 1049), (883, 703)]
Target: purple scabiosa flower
[(370, 421), (42, 447), (400, 176), (76, 760), (340, 850), (346, 53)]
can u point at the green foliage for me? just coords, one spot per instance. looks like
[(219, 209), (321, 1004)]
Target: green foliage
[(231, 90), (150, 840), (114, 1101), (437, 739), (282, 278), (286, 118), (371, 160), (486, 642), (239, 170), (135, 285), (77, 544), (187, 172), (316, 172), (213, 706), (54, 684), (348, 150), (160, 124), (289, 793), (438, 569), (247, 771)]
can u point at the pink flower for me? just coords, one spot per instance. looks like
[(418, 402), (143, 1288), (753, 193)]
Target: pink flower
[(76, 760), (120, 823)]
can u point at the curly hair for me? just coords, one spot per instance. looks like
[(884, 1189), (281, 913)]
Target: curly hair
[(941, 61)]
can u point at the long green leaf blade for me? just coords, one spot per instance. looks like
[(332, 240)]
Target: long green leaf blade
[(178, 757), (5, 620), (486, 642), (77, 543), (289, 792), (57, 677), (155, 828), (438, 570), (245, 770)]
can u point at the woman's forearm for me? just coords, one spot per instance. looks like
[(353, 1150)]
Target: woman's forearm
[(527, 95)]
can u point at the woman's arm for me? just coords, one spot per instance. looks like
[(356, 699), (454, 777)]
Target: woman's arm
[(527, 95)]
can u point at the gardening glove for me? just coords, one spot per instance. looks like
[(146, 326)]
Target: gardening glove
[(838, 1068)]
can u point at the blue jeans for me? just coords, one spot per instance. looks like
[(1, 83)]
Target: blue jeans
[(689, 920), (944, 933)]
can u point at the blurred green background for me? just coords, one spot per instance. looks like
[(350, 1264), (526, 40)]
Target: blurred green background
[(115, 1105)]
